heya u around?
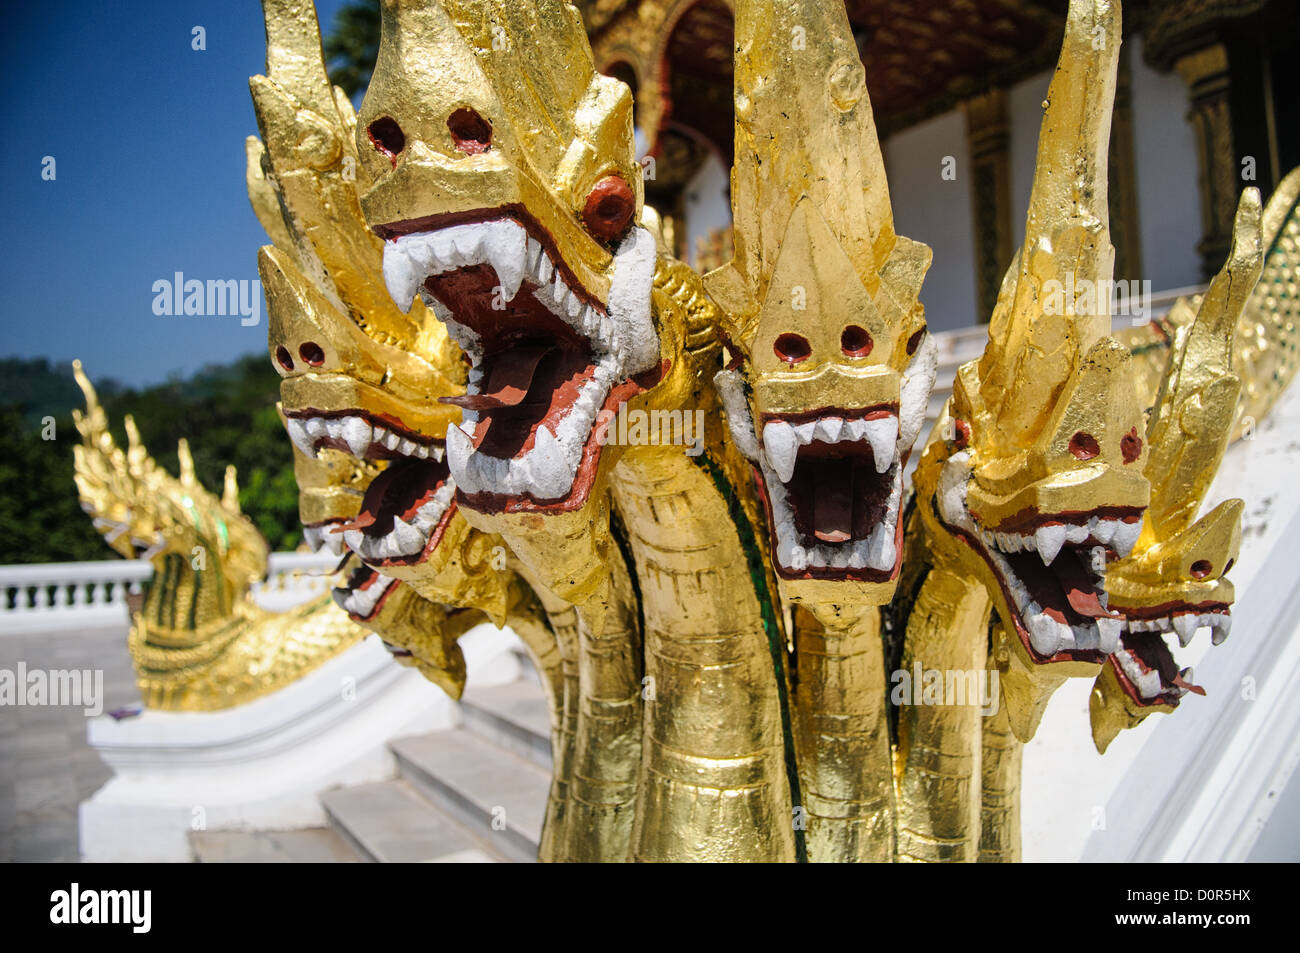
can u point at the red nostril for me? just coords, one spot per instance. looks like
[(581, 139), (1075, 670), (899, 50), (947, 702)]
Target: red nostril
[(470, 131), (1201, 568), (387, 137), (312, 353), (282, 358), (1131, 446), (792, 348), (915, 341), (856, 341), (1084, 446)]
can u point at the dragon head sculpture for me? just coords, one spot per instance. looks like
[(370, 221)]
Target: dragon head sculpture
[(362, 380), (1034, 480), (831, 365), (143, 512), (1175, 581)]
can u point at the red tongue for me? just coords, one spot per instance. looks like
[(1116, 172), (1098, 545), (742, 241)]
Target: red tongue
[(1077, 586), (833, 501), (509, 380), (1181, 683)]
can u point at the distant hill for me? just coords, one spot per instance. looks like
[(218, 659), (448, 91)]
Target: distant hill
[(227, 412)]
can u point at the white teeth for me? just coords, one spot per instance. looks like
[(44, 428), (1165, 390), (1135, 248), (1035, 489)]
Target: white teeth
[(1187, 675), (1048, 540), (1044, 634), (1185, 625), (781, 445), (828, 429), (1222, 626), (460, 450), (1126, 536), (880, 548), (1097, 560), (1075, 534), (409, 539), (1103, 530), (854, 429), (313, 536), (361, 602), (298, 434), (316, 428), (882, 434), (549, 472), (806, 431), (1108, 632), (356, 433), (1147, 683), (333, 542), (402, 276)]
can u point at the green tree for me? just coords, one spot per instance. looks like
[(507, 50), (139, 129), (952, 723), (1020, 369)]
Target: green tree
[(352, 45)]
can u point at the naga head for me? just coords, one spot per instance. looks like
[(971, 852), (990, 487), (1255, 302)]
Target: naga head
[(1034, 481), (363, 381), (1174, 581), (508, 196), (143, 512), (831, 365)]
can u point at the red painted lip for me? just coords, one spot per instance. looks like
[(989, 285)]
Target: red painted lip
[(1174, 608), (371, 578), (874, 412), (1029, 519)]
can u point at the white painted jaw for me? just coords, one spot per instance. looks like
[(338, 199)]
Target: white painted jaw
[(362, 437), (621, 337)]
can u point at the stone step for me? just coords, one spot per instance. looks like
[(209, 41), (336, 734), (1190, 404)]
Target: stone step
[(389, 822), (313, 845), (514, 716), (495, 793)]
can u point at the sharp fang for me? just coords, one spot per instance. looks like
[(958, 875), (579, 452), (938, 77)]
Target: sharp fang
[(356, 433), (1049, 540), (882, 434), (401, 276), (301, 439), (1108, 631), (1222, 626), (781, 446), (1126, 536), (460, 451), (1185, 626)]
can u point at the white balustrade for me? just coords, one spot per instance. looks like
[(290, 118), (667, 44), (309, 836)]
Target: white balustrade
[(65, 596)]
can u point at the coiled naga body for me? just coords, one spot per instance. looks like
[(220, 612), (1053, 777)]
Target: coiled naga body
[(686, 493)]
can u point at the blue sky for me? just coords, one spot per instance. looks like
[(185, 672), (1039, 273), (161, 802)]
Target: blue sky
[(148, 139)]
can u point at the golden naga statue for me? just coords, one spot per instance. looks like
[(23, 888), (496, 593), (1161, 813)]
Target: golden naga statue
[(686, 493), (199, 642)]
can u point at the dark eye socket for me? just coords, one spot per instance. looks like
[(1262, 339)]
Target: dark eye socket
[(387, 137), (1130, 446), (856, 341), (471, 133), (792, 348), (915, 341), (1201, 568)]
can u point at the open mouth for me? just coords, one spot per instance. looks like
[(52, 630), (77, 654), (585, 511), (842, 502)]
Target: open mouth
[(1051, 569), (834, 486), (546, 355), (406, 508), (1146, 670), (832, 479), (365, 593)]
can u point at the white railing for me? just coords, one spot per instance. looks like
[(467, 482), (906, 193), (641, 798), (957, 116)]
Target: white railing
[(46, 596)]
